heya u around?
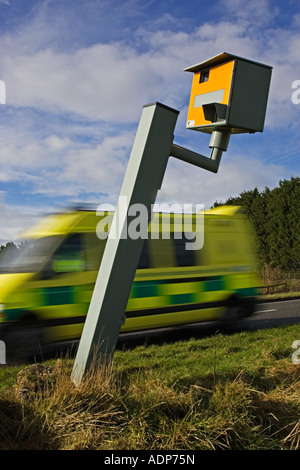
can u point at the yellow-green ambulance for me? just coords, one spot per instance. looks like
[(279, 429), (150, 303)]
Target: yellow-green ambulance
[(46, 289)]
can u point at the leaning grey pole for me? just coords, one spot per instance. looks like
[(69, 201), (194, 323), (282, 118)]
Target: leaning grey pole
[(143, 178), (151, 150)]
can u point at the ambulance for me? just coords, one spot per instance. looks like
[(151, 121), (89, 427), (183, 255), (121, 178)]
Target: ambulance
[(45, 289)]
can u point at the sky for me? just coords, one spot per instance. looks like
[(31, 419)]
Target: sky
[(77, 74)]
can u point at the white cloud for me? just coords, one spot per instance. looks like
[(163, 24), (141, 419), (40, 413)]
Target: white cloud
[(55, 143), (255, 12), (107, 82), (112, 81), (88, 99), (17, 219), (236, 174), (62, 167)]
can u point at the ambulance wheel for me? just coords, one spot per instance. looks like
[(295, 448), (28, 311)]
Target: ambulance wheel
[(24, 342), (233, 314)]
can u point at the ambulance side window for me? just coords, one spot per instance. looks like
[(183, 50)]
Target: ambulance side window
[(70, 256), (184, 257), (144, 261), (94, 249)]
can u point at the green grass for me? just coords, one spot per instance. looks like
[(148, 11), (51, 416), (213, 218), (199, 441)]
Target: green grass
[(236, 392), (281, 295)]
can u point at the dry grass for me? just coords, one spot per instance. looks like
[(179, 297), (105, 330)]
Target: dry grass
[(47, 411), (275, 281), (57, 415), (148, 402)]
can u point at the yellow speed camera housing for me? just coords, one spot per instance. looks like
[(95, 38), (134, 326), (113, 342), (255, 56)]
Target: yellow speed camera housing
[(228, 92)]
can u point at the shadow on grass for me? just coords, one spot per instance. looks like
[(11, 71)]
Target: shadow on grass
[(23, 428)]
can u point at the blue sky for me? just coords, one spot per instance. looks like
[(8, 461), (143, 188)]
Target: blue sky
[(78, 73)]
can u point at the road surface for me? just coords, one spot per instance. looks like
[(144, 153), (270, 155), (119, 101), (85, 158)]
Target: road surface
[(272, 314), (268, 315)]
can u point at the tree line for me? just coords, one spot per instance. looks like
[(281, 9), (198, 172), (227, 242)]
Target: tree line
[(275, 216), (8, 246)]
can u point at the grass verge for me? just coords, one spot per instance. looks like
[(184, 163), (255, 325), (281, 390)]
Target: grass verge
[(238, 392), (280, 296)]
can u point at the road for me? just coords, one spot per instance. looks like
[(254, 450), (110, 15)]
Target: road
[(268, 315), (272, 314)]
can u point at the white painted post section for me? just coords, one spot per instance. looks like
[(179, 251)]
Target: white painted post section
[(143, 178)]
